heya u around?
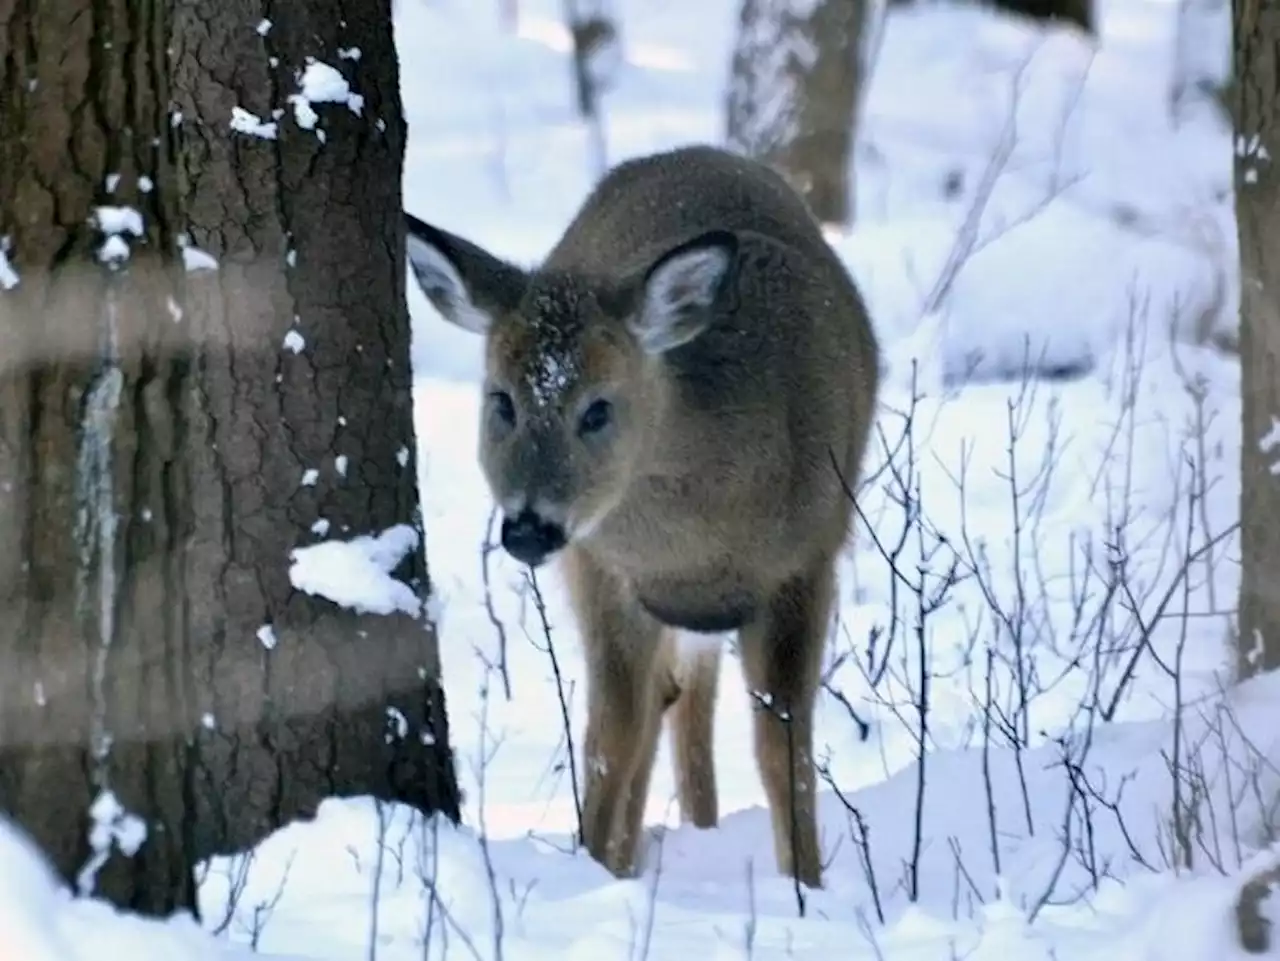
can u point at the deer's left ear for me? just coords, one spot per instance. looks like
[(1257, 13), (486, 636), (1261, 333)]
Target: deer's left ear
[(679, 289)]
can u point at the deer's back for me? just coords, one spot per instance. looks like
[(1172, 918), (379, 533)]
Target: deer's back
[(643, 206)]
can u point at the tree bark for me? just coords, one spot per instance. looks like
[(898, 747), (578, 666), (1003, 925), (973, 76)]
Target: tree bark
[(1257, 183), (794, 91), (157, 420)]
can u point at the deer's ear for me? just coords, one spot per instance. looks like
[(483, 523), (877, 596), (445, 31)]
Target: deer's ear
[(466, 283), (680, 288)]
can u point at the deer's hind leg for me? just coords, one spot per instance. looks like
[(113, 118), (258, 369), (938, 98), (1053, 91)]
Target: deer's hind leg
[(627, 691)]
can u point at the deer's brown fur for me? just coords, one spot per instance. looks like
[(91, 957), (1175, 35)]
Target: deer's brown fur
[(668, 396)]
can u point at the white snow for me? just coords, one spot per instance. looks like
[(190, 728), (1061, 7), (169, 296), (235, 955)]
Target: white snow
[(356, 573), (266, 635), (310, 476), (119, 220), (195, 258), (319, 82), (110, 826), (243, 121), (1091, 788), (114, 222), (8, 276), (294, 341), (113, 250), (1268, 442)]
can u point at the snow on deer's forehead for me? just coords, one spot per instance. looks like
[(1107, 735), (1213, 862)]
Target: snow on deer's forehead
[(553, 365)]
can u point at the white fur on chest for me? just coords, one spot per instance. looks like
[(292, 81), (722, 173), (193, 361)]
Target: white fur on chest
[(690, 645)]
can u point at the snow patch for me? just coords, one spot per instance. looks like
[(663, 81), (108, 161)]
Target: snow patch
[(398, 725), (356, 573), (114, 250), (321, 83), (266, 636), (30, 901), (242, 121), (115, 222), (8, 276), (118, 220), (1269, 441), (195, 259), (110, 825)]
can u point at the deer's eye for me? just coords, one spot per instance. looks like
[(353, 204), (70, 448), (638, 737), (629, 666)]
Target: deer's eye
[(597, 416), (503, 407)]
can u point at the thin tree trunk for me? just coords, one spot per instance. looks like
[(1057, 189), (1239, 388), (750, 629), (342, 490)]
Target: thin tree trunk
[(157, 422), (1257, 182), (794, 89)]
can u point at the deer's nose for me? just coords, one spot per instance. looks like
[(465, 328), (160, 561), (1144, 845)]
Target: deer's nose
[(530, 538)]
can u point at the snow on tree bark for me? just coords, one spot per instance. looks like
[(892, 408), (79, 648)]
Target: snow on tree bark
[(1257, 183), (194, 314), (794, 88)]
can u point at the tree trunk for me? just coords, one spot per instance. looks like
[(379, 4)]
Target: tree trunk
[(1257, 183), (157, 421), (794, 89)]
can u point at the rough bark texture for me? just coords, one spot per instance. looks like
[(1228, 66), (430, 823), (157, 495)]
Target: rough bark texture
[(1257, 183), (155, 430), (794, 94), (1256, 73)]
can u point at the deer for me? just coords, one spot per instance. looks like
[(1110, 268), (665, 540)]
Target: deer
[(677, 401)]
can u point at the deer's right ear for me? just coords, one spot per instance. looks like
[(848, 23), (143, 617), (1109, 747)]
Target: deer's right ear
[(467, 284)]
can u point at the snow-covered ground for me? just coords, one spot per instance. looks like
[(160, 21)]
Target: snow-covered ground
[(1022, 195)]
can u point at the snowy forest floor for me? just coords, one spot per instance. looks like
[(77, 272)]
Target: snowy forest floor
[(1063, 580)]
